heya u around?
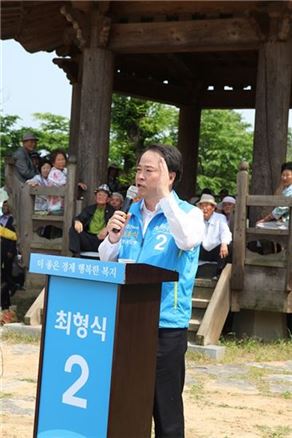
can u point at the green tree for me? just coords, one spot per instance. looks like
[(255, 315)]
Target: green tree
[(53, 131), (10, 137), (135, 124), (224, 143), (224, 138)]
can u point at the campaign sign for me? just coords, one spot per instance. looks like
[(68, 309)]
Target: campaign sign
[(77, 354), (86, 269)]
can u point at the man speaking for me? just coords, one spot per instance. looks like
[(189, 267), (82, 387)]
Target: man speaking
[(164, 231)]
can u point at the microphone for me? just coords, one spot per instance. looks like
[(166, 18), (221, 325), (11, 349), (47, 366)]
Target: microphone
[(132, 193)]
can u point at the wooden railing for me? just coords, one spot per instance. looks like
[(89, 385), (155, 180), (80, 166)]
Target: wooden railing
[(22, 198), (243, 234)]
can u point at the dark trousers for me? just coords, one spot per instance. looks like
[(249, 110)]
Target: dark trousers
[(214, 256), (8, 287), (84, 241), (170, 377)]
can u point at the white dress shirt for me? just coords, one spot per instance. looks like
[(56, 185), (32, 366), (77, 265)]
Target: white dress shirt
[(181, 224), (216, 232)]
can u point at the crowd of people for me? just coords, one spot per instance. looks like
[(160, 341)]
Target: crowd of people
[(162, 230), (89, 227)]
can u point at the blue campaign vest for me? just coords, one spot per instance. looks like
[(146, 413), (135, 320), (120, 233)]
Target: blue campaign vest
[(158, 248)]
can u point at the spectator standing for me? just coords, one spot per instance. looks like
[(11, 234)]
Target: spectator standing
[(163, 231), (217, 236), (89, 227), (24, 167)]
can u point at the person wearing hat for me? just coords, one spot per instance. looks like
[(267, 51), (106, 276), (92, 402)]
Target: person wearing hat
[(24, 166), (89, 227), (217, 236), (228, 204), (116, 200)]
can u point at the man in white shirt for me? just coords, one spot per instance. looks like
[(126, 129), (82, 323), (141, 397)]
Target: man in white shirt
[(217, 236), (164, 231)]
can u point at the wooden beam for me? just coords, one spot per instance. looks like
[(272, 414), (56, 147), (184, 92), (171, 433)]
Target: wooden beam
[(83, 5), (228, 99), (184, 36), (170, 8), (271, 201), (176, 95), (151, 90)]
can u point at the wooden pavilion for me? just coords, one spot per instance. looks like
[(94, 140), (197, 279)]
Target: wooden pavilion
[(194, 55)]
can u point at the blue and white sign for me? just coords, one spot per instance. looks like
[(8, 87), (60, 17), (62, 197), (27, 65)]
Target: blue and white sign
[(111, 272), (77, 353)]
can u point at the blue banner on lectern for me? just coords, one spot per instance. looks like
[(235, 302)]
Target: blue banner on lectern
[(74, 386), (86, 269)]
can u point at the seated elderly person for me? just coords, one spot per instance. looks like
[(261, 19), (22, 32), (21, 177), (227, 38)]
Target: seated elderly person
[(279, 217), (116, 200), (228, 205), (215, 246), (89, 227)]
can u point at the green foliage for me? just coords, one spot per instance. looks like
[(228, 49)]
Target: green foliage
[(9, 138), (224, 143), (136, 124), (53, 133), (224, 138)]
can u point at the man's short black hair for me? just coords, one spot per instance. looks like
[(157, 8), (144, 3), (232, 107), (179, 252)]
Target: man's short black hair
[(172, 156)]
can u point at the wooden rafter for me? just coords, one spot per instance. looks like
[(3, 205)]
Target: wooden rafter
[(186, 36)]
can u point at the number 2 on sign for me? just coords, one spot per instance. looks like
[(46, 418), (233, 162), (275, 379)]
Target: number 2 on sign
[(69, 397)]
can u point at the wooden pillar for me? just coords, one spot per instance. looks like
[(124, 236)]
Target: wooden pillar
[(239, 233), (188, 144), (95, 110), (271, 122), (75, 119)]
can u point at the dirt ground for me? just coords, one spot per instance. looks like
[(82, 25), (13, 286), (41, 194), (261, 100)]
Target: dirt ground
[(250, 400)]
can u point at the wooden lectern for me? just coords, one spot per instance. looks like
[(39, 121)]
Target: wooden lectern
[(98, 348)]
